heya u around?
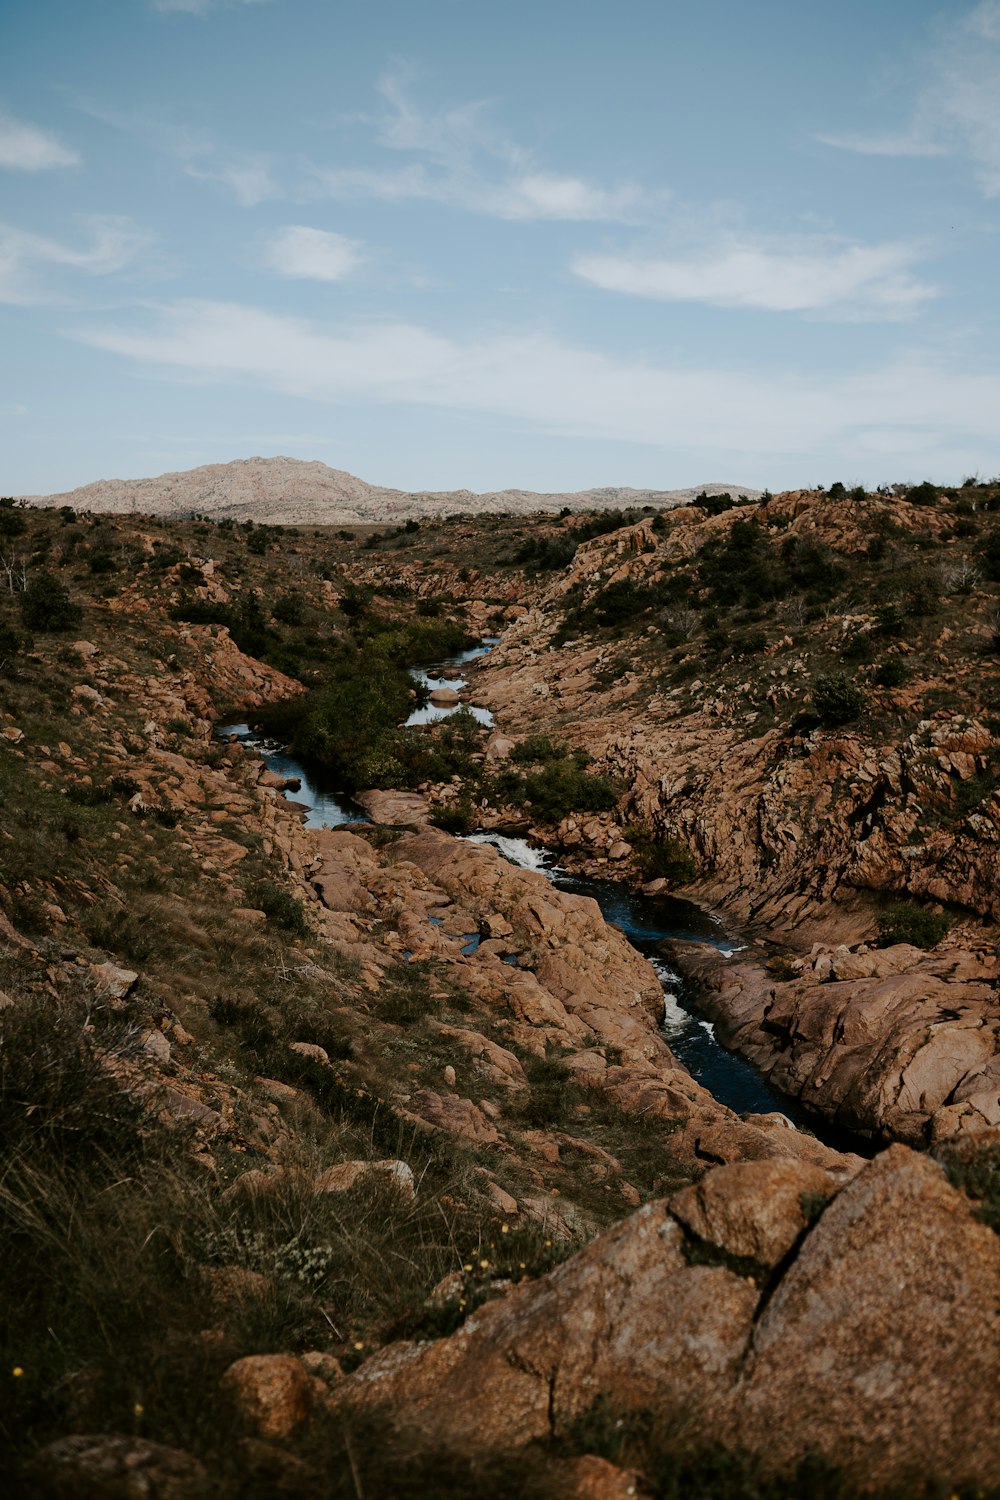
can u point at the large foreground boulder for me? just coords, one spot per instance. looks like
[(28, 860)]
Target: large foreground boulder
[(746, 1312)]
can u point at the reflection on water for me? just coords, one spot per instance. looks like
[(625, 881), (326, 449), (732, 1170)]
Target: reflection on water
[(325, 808), (431, 713)]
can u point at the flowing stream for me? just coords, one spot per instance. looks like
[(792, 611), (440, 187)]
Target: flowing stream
[(645, 920)]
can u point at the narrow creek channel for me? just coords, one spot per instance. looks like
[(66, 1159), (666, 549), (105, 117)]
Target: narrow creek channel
[(647, 921)]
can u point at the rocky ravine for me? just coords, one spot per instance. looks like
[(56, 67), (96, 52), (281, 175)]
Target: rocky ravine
[(793, 1302), (789, 1300), (793, 833)]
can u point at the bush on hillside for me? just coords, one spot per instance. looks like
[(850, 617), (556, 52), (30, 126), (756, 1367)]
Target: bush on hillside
[(555, 790), (891, 673), (46, 605), (837, 699), (907, 922)]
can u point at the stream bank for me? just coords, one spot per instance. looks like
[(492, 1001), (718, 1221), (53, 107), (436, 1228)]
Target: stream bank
[(647, 921)]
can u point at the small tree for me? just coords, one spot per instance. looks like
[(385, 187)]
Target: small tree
[(46, 605)]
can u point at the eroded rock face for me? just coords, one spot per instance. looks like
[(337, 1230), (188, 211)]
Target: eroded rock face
[(755, 1210), (908, 1045), (580, 986), (876, 1342)]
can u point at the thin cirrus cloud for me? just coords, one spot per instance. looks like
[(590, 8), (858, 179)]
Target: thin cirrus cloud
[(249, 179), (199, 7), (308, 254), (29, 262), (247, 176), (29, 148), (799, 275), (563, 388), (467, 165), (957, 111)]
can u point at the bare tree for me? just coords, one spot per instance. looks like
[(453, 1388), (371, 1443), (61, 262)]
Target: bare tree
[(16, 568)]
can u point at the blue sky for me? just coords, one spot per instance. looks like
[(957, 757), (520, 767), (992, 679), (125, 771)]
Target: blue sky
[(453, 243)]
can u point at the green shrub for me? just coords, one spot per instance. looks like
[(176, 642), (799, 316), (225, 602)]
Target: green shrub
[(906, 922), (12, 521), (11, 643), (713, 505), (662, 858), (536, 750), (889, 620), (455, 817), (837, 699), (288, 609), (558, 788), (279, 905), (46, 605)]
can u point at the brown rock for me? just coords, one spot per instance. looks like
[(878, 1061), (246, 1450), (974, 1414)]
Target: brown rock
[(448, 1112), (273, 1392), (112, 982), (341, 1178), (593, 1478), (880, 1348), (752, 1208), (626, 1315), (395, 808), (109, 1466)]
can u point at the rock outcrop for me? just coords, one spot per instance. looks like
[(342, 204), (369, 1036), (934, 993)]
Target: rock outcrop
[(893, 1041), (870, 1335)]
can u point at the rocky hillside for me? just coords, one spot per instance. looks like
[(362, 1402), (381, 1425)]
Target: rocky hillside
[(290, 492), (354, 1160)]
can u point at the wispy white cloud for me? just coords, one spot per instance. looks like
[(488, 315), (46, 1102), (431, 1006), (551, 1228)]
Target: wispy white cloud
[(312, 254), (247, 176), (797, 274), (958, 111), (466, 164), (29, 148), (27, 260), (199, 7), (563, 388)]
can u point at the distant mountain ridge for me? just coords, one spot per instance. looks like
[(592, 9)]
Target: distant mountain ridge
[(297, 492)]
